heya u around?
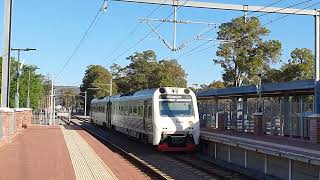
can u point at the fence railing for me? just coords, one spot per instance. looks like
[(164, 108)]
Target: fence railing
[(281, 116)]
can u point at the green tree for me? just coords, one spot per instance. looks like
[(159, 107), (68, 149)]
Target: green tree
[(216, 85), (68, 98), (145, 71), (96, 82), (245, 53), (36, 84), (168, 73), (299, 67)]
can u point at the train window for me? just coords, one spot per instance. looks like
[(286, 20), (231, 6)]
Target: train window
[(134, 111), (126, 109), (130, 110), (149, 112), (177, 108), (140, 111)]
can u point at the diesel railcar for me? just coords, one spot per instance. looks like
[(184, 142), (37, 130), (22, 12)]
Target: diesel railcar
[(165, 117)]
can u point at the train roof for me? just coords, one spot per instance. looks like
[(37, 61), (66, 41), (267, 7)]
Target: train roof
[(131, 95)]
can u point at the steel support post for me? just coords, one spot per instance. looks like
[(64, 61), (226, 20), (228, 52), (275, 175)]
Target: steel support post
[(54, 108), (216, 112), (5, 86), (317, 64), (85, 103), (174, 48), (244, 114), (28, 97)]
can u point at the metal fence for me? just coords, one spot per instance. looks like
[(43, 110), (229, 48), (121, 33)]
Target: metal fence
[(282, 116)]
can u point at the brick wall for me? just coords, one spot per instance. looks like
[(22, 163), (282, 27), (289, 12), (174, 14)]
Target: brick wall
[(19, 118), (6, 116), (315, 130), (27, 115)]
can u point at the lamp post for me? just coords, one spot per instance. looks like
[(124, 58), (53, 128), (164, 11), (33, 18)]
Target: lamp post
[(28, 97), (18, 73), (85, 102)]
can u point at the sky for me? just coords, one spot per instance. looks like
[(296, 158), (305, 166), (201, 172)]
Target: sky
[(55, 27)]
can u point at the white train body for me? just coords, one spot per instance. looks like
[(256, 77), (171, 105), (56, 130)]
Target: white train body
[(166, 117)]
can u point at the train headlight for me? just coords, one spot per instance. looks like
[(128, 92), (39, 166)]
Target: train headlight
[(187, 91), (162, 90)]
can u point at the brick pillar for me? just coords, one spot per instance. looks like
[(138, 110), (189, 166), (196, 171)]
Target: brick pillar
[(27, 115), (315, 128), (18, 114), (6, 118), (258, 120)]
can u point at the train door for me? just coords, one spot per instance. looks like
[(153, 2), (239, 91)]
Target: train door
[(110, 114), (145, 115)]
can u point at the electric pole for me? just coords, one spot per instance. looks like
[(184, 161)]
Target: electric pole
[(5, 86)]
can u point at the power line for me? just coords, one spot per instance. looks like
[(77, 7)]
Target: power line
[(274, 20), (297, 4), (145, 37), (269, 5), (282, 17), (194, 49), (80, 43), (133, 31)]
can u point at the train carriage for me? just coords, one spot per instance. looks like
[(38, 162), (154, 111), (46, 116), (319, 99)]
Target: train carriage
[(165, 117)]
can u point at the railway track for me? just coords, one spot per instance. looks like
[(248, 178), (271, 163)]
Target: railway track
[(144, 167), (162, 165)]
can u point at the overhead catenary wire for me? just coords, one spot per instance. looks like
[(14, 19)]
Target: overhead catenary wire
[(269, 5), (147, 35), (82, 40), (269, 22), (284, 16), (281, 9), (132, 32)]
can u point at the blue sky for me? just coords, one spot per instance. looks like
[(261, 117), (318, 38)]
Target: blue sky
[(55, 27)]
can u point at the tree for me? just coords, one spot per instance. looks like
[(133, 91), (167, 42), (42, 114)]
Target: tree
[(145, 71), (299, 67), (68, 98), (168, 73), (96, 82), (36, 84), (216, 85), (245, 53)]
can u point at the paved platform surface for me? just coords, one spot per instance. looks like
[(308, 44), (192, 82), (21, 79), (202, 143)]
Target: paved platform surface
[(284, 146), (61, 152), (38, 153)]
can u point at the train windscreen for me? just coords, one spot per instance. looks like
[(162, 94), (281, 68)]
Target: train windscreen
[(176, 108)]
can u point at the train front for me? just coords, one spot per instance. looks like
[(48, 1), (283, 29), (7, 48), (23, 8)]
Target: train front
[(176, 119)]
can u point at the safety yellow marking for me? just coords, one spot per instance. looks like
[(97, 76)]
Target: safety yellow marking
[(86, 163)]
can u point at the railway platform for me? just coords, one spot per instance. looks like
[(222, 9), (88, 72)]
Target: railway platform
[(61, 152)]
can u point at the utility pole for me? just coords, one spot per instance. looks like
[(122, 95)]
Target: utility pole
[(110, 90), (51, 102), (85, 103), (5, 86), (28, 98), (16, 97), (54, 107)]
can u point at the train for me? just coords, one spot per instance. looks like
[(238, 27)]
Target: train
[(165, 117)]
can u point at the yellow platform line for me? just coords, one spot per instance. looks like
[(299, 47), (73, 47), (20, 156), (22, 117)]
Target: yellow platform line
[(86, 163)]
